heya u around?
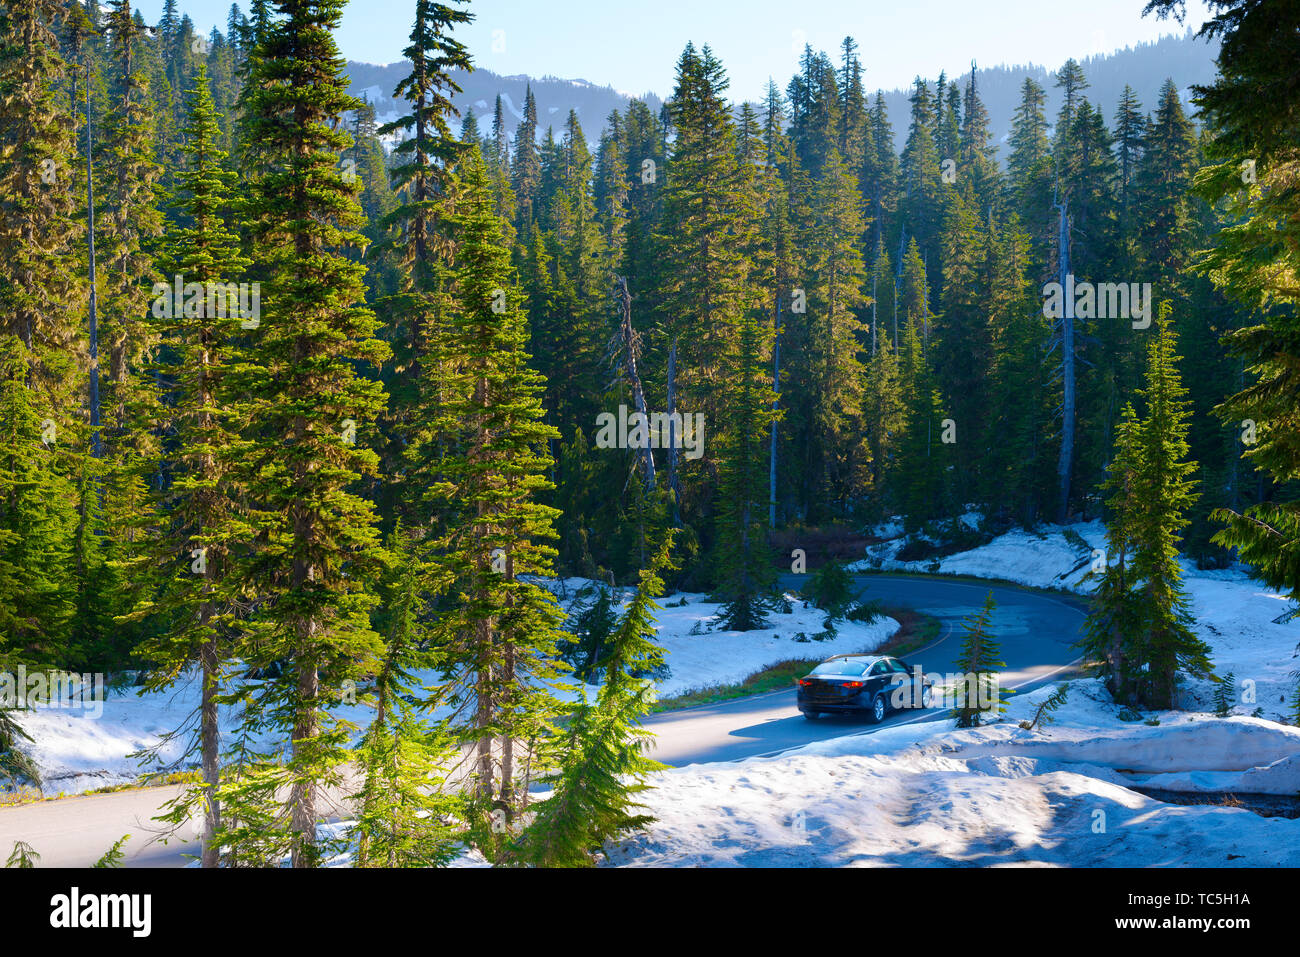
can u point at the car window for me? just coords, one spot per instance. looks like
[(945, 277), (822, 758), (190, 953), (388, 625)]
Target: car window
[(879, 668), (898, 666), (839, 668)]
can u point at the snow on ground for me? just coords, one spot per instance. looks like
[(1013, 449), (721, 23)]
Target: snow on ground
[(1060, 795), (1235, 614), (700, 658), (1042, 559), (926, 795), (76, 752)]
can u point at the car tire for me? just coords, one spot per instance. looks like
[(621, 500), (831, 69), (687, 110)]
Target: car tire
[(812, 715), (927, 696), (877, 712)]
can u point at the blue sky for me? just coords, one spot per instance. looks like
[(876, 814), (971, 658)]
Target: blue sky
[(633, 44)]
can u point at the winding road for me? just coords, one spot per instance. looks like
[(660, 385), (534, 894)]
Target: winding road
[(1035, 631)]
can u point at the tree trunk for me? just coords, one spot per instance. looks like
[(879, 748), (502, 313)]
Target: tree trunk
[(1065, 466), (210, 748), (672, 434)]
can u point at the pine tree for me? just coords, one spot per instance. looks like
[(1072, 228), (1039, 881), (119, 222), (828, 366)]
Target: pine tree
[(1251, 107), (745, 566), (192, 556), (1130, 137), (1071, 81), (708, 223), (1166, 208), (979, 178), (424, 184), (526, 167), (499, 628), (601, 757), (963, 353), (880, 175), (1143, 622), (37, 521), (39, 293), (921, 495), (611, 184), (314, 543), (406, 817), (1114, 627), (127, 219), (921, 184), (978, 663), (1165, 494), (883, 413), (1018, 461), (1030, 174), (832, 370), (39, 343)]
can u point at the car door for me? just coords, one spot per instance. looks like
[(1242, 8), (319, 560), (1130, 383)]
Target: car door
[(909, 689), (878, 680)]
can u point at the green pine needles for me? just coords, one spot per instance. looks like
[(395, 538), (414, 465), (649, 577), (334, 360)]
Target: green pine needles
[(979, 694)]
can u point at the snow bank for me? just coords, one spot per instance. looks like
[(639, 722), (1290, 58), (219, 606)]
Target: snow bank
[(1059, 795), (75, 752), (923, 794)]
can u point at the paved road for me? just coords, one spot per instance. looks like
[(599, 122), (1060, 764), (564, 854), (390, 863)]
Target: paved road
[(1035, 632)]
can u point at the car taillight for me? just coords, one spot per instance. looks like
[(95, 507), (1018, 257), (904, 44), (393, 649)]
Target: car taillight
[(853, 684), (804, 682)]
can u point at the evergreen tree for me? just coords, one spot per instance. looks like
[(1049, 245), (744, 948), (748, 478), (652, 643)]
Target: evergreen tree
[(978, 663), (39, 291), (832, 371), (315, 546), (37, 523), (416, 236), (1142, 625), (405, 812), (883, 413), (1030, 174), (921, 184), (526, 167), (745, 566), (1255, 260), (708, 220), (921, 487), (600, 756), (499, 628), (191, 558), (127, 219)]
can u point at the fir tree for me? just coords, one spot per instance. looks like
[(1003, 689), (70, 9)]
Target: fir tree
[(833, 370), (315, 546), (1141, 625), (423, 181), (499, 629), (406, 816), (39, 292), (978, 664), (37, 522), (192, 557), (602, 764), (745, 566)]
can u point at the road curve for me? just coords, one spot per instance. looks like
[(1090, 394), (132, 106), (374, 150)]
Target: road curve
[(1035, 631)]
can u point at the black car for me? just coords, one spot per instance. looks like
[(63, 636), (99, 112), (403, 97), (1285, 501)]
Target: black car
[(876, 684)]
